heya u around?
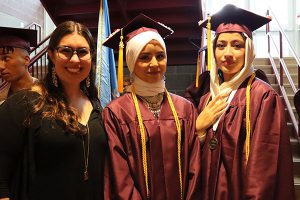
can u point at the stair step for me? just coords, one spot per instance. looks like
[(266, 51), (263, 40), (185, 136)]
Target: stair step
[(272, 79), (297, 176), (290, 98), (266, 61), (292, 132), (287, 87), (268, 69), (297, 187), (296, 150)]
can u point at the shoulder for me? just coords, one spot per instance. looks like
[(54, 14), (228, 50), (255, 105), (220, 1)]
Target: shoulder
[(20, 98), (124, 100), (260, 87), (16, 108), (121, 106), (179, 99), (183, 106)]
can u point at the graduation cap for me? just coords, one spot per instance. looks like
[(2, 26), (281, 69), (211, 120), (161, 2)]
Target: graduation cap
[(140, 21), (18, 38), (233, 19), (138, 25)]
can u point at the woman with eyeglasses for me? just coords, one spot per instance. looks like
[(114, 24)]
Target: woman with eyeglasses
[(52, 141)]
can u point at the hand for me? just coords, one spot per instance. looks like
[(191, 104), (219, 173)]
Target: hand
[(211, 113)]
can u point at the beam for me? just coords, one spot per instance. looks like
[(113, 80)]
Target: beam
[(151, 5), (79, 9)]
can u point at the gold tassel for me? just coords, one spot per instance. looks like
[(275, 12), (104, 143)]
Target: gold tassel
[(178, 127), (209, 48), (143, 140), (120, 64), (248, 124), (198, 70)]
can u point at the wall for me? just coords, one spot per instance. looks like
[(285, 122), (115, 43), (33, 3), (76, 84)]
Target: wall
[(178, 78), (26, 11)]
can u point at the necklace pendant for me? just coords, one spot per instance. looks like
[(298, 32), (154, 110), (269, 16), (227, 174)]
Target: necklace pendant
[(213, 143), (86, 176)]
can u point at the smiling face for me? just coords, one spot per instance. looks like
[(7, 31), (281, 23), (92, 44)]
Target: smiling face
[(230, 53), (75, 69), (151, 64)]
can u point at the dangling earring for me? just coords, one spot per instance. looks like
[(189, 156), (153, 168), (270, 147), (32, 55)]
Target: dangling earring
[(164, 78), (88, 82), (54, 78), (131, 79)]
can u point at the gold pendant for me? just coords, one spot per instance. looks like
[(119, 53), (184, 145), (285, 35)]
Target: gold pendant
[(213, 143), (86, 176)]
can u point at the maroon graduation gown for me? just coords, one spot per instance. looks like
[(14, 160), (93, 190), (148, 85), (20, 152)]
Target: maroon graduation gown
[(269, 172), (124, 174)]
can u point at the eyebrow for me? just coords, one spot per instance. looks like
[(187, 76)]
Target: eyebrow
[(84, 47), (235, 40)]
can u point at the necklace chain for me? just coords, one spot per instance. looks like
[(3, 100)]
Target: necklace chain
[(86, 154), (153, 103)]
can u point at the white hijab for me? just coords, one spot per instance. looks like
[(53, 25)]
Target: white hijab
[(133, 49), (238, 78)]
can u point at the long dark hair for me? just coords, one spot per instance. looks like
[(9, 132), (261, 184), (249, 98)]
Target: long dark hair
[(53, 103)]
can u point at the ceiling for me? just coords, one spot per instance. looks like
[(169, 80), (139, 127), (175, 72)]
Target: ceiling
[(181, 15)]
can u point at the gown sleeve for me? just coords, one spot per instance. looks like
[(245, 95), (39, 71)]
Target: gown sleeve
[(270, 165), (194, 178), (12, 132), (118, 182)]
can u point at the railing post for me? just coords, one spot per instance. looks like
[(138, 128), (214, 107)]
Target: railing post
[(267, 31), (281, 56), (298, 77)]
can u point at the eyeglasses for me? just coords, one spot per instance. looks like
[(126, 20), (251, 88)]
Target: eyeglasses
[(66, 53)]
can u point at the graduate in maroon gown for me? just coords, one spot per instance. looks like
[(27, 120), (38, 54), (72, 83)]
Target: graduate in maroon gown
[(246, 152), (154, 151)]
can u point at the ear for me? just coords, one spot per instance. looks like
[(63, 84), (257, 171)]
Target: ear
[(26, 60)]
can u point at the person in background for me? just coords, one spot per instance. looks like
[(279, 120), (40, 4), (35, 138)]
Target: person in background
[(15, 46), (52, 139), (246, 152), (154, 152)]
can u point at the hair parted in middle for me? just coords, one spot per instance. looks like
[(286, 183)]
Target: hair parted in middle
[(53, 102)]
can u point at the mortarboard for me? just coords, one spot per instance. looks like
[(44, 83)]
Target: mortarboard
[(232, 19), (139, 24), (18, 38), (139, 21), (229, 16)]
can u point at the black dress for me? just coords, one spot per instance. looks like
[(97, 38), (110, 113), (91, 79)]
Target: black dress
[(44, 161)]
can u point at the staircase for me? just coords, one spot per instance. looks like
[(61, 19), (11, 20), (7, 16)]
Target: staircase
[(264, 64)]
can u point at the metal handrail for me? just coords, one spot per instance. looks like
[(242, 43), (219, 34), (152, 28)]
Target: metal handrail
[(286, 38), (32, 24), (41, 43), (282, 62), (284, 94), (283, 67), (203, 34)]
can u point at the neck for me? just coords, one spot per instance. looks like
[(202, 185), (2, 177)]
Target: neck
[(25, 82), (78, 100), (228, 77), (143, 88), (72, 92)]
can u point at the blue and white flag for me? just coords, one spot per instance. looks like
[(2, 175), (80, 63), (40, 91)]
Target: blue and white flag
[(106, 80)]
